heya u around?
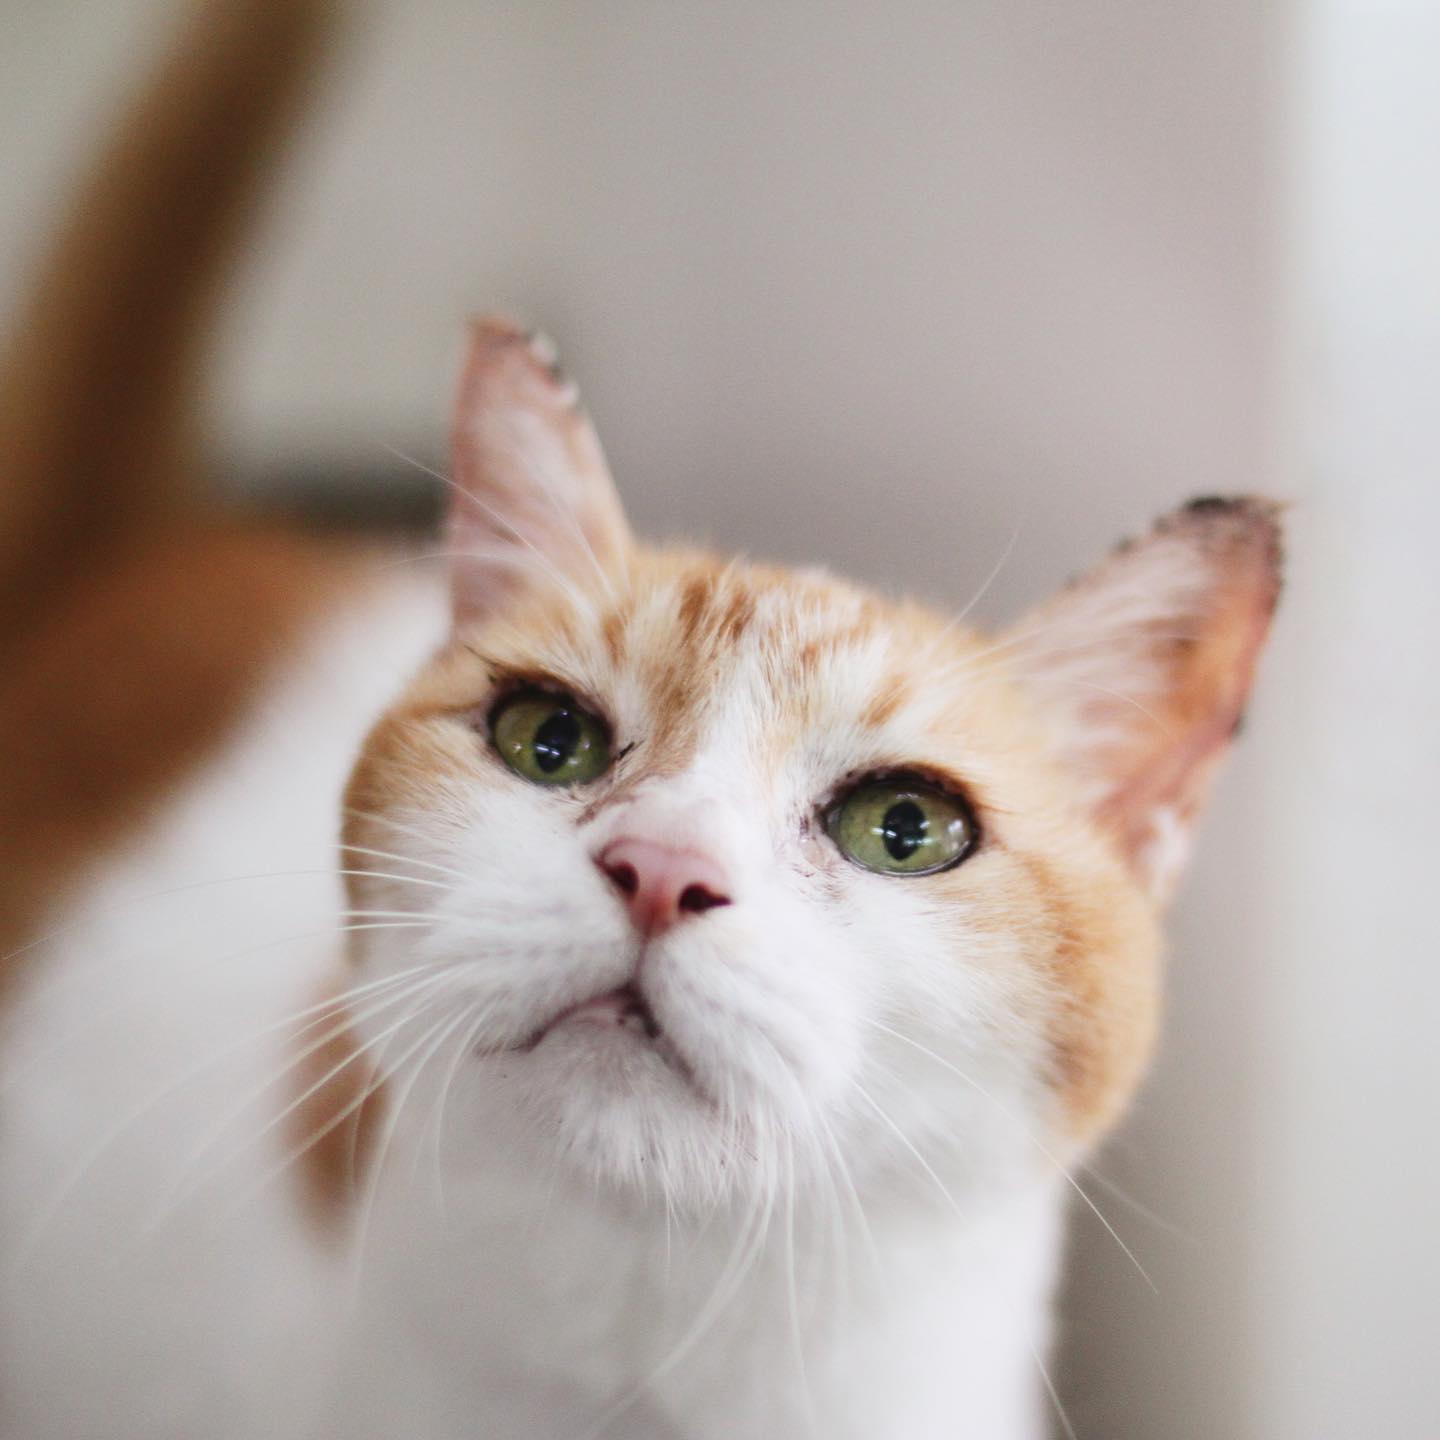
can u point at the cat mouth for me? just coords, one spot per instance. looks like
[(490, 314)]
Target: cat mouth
[(624, 1008)]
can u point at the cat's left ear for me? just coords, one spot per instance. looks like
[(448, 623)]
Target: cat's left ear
[(533, 502), (1142, 668)]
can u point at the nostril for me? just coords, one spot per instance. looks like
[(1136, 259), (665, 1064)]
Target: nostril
[(697, 898), (661, 884), (625, 876)]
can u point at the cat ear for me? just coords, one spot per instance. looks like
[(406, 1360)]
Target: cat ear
[(533, 501), (1144, 665)]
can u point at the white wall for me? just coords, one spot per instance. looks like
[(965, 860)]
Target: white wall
[(886, 285), (982, 263), (1345, 1288)]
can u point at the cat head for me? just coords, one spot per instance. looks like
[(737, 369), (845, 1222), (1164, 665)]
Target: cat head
[(723, 874)]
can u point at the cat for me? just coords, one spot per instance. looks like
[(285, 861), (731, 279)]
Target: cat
[(605, 991)]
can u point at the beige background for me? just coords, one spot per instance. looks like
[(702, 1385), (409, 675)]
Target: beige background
[(898, 286)]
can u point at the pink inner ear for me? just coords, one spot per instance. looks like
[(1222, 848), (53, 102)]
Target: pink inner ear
[(1209, 684), (1145, 667), (533, 503)]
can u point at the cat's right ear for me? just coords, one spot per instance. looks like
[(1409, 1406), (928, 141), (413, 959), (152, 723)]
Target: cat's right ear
[(533, 503)]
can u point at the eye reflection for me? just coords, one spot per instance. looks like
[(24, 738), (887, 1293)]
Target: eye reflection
[(550, 740), (903, 829), (555, 740), (902, 826)]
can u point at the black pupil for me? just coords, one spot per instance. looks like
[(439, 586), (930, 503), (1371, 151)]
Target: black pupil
[(903, 829), (556, 740)]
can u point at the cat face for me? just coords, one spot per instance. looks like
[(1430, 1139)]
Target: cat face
[(732, 878)]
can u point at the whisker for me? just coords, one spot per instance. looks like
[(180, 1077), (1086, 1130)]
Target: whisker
[(341, 1116), (1054, 1395), (1140, 1209), (388, 875), (748, 1246), (172, 890), (904, 1139), (56, 986), (837, 1158), (116, 1131), (482, 1010), (171, 1205), (567, 516), (1031, 1137), (403, 859), (541, 558), (792, 1293), (393, 822), (73, 1035), (990, 579), (965, 666), (440, 1032), (423, 916), (1161, 725)]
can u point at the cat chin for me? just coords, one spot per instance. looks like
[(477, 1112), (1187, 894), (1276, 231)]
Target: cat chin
[(615, 1055), (613, 1107)]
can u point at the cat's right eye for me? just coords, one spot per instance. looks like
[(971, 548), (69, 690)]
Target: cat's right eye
[(549, 739)]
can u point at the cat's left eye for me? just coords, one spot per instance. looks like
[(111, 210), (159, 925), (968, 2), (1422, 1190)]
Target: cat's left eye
[(902, 826), (550, 740)]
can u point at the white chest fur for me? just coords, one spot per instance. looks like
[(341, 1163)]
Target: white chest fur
[(551, 1310)]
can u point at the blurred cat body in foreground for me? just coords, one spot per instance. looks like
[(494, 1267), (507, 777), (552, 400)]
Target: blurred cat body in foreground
[(622, 992)]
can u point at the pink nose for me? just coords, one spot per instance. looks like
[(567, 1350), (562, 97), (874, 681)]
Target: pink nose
[(660, 884)]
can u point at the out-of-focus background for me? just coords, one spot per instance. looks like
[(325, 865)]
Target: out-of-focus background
[(905, 288)]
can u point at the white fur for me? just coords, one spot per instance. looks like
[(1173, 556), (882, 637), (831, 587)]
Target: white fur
[(138, 1297), (853, 1237)]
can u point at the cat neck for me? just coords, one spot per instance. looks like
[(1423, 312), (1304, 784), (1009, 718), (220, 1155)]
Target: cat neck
[(917, 1323)]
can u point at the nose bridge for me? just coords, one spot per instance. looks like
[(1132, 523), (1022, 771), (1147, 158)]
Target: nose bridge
[(694, 809), (698, 729), (676, 822)]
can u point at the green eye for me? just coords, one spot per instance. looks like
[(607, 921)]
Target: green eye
[(550, 740), (902, 826)]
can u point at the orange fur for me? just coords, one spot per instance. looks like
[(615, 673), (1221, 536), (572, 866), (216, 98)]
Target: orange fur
[(336, 1126), (119, 693), (98, 412)]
